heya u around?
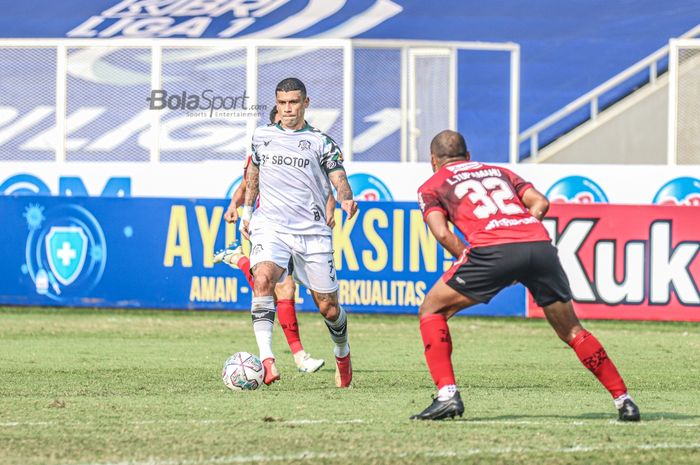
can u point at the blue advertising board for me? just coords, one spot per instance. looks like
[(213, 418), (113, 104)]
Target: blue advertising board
[(157, 253)]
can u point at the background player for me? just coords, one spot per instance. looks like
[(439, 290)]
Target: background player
[(500, 215), (292, 167), (284, 291)]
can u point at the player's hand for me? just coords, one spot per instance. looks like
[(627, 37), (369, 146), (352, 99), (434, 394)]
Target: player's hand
[(330, 214), (243, 228), (231, 215), (349, 207)]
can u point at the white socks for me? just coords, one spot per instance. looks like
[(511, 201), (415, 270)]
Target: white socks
[(299, 357), (339, 333), (263, 313), (620, 400), (447, 392)]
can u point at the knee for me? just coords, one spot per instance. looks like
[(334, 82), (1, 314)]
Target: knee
[(427, 308), (264, 284), (329, 310)]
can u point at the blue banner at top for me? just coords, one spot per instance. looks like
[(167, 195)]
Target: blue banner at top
[(157, 253)]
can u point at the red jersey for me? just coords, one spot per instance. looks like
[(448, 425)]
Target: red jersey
[(483, 202)]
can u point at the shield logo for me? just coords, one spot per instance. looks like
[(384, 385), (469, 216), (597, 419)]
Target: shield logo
[(66, 247)]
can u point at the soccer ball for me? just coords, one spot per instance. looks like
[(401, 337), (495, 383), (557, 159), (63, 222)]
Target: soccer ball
[(243, 372)]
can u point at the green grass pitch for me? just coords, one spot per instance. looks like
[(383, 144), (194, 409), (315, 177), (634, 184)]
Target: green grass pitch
[(126, 387)]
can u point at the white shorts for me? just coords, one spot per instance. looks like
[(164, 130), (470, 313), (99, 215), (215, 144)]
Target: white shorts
[(312, 255)]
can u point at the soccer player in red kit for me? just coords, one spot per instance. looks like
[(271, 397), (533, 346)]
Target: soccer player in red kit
[(500, 215)]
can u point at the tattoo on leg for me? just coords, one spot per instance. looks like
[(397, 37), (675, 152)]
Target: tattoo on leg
[(331, 297)]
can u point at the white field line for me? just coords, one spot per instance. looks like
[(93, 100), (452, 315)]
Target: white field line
[(14, 424), (309, 456), (464, 423)]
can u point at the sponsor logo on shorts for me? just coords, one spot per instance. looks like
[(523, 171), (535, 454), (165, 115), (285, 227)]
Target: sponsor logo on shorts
[(332, 270)]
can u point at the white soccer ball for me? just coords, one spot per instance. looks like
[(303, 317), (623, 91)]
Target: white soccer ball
[(243, 372)]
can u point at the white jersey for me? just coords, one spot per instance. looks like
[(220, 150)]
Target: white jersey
[(294, 184)]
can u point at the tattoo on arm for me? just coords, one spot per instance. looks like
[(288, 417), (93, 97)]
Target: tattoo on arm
[(252, 185), (340, 182)]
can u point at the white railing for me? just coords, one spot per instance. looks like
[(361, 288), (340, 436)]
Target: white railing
[(591, 99), (409, 131)]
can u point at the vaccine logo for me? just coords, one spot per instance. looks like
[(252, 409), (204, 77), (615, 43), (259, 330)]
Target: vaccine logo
[(66, 251)]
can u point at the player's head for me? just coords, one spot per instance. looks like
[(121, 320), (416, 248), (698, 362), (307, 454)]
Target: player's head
[(292, 101), (274, 115), (447, 146)]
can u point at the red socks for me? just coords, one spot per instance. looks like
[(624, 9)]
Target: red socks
[(287, 317), (438, 348), (244, 265), (593, 357)]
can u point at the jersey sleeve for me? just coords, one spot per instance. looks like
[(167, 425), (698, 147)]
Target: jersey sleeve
[(519, 183), (429, 201), (331, 156)]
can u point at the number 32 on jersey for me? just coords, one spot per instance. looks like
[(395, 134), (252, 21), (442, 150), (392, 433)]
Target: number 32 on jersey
[(489, 196)]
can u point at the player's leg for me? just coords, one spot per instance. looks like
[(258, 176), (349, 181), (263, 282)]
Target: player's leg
[(592, 355), (269, 256), (288, 321), (234, 257), (439, 305), (336, 321), (550, 288), (262, 311), (314, 267), (478, 275)]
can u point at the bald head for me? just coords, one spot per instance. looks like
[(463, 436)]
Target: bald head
[(448, 144)]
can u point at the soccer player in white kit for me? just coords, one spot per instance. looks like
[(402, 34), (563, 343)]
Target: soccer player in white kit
[(292, 168)]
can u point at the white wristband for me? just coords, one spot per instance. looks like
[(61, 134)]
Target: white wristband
[(247, 213)]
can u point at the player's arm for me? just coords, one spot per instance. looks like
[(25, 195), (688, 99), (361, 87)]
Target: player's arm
[(437, 222), (237, 199), (340, 181), (535, 202), (330, 211), (251, 194)]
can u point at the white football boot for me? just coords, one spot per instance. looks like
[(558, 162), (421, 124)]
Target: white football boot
[(230, 255), (306, 364)]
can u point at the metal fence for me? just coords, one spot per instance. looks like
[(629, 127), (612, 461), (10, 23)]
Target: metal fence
[(684, 102), (189, 100)]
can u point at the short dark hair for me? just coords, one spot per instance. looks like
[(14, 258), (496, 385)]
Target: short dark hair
[(448, 144), (291, 84), (273, 114)]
